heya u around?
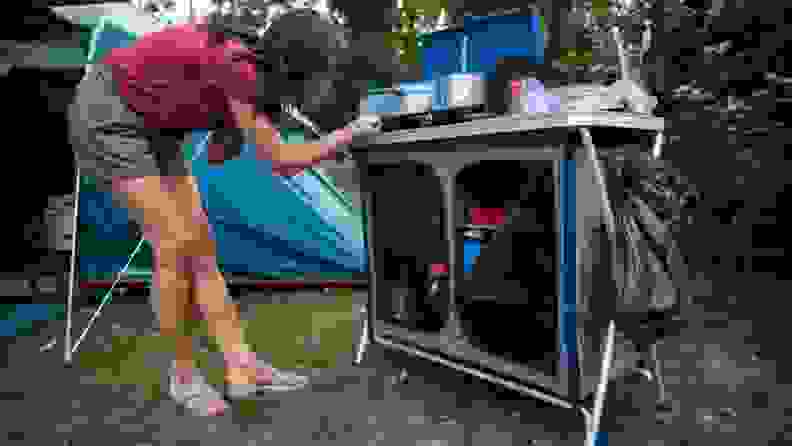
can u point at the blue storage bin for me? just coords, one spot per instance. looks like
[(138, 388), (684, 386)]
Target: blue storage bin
[(442, 53), (423, 87), (471, 251), (383, 104), (494, 37)]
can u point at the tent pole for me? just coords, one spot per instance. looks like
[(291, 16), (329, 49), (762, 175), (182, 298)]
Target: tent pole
[(72, 271)]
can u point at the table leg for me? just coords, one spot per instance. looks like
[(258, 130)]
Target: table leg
[(364, 340), (453, 328)]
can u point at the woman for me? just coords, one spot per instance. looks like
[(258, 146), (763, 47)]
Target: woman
[(128, 120)]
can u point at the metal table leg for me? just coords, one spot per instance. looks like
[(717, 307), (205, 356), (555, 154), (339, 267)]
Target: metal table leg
[(364, 340), (592, 427), (607, 359)]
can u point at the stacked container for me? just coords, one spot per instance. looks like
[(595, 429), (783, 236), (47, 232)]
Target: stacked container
[(502, 36)]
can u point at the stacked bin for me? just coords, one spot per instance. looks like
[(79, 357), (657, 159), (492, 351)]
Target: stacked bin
[(443, 53), (490, 38)]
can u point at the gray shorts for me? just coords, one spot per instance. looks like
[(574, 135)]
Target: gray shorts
[(109, 140)]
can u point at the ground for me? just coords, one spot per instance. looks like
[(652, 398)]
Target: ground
[(111, 393)]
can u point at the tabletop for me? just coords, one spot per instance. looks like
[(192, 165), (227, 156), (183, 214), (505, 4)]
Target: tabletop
[(517, 123)]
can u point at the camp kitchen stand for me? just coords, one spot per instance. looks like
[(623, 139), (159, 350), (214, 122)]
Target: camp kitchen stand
[(588, 353)]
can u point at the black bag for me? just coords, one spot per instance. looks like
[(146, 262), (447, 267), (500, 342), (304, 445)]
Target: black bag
[(649, 200)]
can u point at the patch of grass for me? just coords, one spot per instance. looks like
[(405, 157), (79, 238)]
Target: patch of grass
[(282, 330)]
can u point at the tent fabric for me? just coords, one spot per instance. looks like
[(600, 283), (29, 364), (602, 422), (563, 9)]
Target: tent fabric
[(299, 214), (263, 223)]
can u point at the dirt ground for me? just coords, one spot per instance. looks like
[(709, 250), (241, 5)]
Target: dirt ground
[(723, 393)]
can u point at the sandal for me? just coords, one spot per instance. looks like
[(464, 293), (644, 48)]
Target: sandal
[(268, 378), (196, 395)]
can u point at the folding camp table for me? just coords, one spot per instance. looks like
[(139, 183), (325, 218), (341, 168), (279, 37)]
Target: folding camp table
[(566, 141)]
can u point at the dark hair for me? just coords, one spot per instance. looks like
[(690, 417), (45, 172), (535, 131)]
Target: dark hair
[(299, 41), (305, 42), (308, 60)]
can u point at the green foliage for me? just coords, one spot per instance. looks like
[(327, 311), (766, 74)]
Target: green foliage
[(406, 38), (577, 57), (599, 8), (430, 8)]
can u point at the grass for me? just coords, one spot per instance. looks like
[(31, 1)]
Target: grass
[(280, 330)]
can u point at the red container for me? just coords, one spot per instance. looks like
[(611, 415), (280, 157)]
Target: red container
[(439, 268), (487, 216)]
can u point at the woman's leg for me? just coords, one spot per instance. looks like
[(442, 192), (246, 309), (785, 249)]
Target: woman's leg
[(245, 375), (173, 235), (172, 277), (171, 286), (209, 286)]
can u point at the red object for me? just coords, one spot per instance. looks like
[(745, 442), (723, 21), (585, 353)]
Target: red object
[(516, 88), (439, 268), (487, 216), (182, 77)]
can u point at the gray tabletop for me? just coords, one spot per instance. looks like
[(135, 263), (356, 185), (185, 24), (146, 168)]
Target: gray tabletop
[(513, 124)]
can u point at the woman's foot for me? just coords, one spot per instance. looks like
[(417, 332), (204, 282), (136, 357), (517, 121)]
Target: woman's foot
[(189, 388), (247, 376)]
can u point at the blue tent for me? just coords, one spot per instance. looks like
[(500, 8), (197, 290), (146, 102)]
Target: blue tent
[(264, 223)]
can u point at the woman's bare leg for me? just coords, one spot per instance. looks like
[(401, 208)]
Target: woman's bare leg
[(209, 286), (172, 278), (173, 286)]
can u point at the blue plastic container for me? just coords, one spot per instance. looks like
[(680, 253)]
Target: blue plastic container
[(419, 88), (383, 104), (471, 251), (493, 37), (442, 53)]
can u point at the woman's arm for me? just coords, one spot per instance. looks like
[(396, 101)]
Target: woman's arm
[(269, 144)]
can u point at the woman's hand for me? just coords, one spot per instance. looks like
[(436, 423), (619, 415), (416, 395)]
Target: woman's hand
[(365, 125), (331, 145)]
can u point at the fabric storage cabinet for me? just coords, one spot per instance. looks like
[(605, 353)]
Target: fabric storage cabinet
[(530, 281)]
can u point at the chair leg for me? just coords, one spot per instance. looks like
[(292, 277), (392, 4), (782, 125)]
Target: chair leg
[(657, 371)]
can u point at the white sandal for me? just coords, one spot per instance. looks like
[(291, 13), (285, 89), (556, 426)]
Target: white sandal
[(197, 395), (269, 379)]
